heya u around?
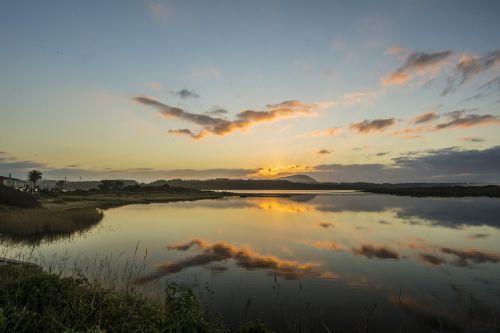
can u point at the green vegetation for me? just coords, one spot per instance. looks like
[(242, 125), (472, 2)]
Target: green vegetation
[(34, 301)]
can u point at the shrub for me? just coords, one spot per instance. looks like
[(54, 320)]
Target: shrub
[(12, 197)]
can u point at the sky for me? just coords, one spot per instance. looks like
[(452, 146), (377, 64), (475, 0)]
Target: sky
[(342, 91)]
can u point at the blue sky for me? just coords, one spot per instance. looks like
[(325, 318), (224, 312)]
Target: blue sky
[(71, 73)]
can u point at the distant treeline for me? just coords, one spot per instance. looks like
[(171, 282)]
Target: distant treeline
[(272, 184), (441, 191)]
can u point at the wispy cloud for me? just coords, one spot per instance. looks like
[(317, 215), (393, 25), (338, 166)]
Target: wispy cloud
[(456, 119), (324, 152), (376, 125), (243, 120), (469, 120), (217, 112), (425, 117), (417, 63), (332, 131), (469, 66)]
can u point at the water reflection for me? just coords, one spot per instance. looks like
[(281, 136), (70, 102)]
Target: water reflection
[(243, 256), (427, 263)]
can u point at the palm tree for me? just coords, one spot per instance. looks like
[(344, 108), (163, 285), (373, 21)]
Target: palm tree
[(34, 176)]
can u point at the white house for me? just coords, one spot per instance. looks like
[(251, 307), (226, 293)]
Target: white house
[(13, 182)]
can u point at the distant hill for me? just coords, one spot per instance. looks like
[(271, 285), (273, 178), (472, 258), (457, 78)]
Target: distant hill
[(305, 179)]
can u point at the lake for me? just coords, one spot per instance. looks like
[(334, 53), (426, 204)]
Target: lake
[(332, 261)]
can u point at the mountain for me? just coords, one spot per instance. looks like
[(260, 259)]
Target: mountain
[(305, 179)]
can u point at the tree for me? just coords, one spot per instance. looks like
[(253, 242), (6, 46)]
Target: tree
[(60, 185), (34, 176), (111, 185)]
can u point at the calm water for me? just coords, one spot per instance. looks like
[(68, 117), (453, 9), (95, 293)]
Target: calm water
[(340, 260)]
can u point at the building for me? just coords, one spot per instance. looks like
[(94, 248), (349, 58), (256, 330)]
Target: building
[(13, 182)]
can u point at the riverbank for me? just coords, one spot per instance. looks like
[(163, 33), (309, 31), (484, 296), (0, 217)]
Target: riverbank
[(32, 300), (59, 215)]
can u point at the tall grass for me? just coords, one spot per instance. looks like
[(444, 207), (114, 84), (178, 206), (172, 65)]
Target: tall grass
[(31, 226), (34, 301)]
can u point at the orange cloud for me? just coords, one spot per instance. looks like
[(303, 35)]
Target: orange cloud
[(425, 117), (367, 126), (397, 78), (244, 119), (417, 63)]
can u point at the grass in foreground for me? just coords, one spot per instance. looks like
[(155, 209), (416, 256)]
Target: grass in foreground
[(34, 301)]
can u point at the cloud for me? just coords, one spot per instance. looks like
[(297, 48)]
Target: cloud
[(450, 164), (371, 251), (383, 153), (243, 256), (332, 131), (356, 97), (282, 170), (425, 118), (243, 120), (324, 152), (367, 126), (396, 50), (471, 139), (470, 66), (417, 63), (325, 225), (469, 121), (217, 112), (491, 84), (457, 119), (334, 246), (185, 131), (186, 93), (466, 257), (431, 259)]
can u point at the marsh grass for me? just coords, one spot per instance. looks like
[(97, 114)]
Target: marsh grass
[(32, 300), (31, 226)]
